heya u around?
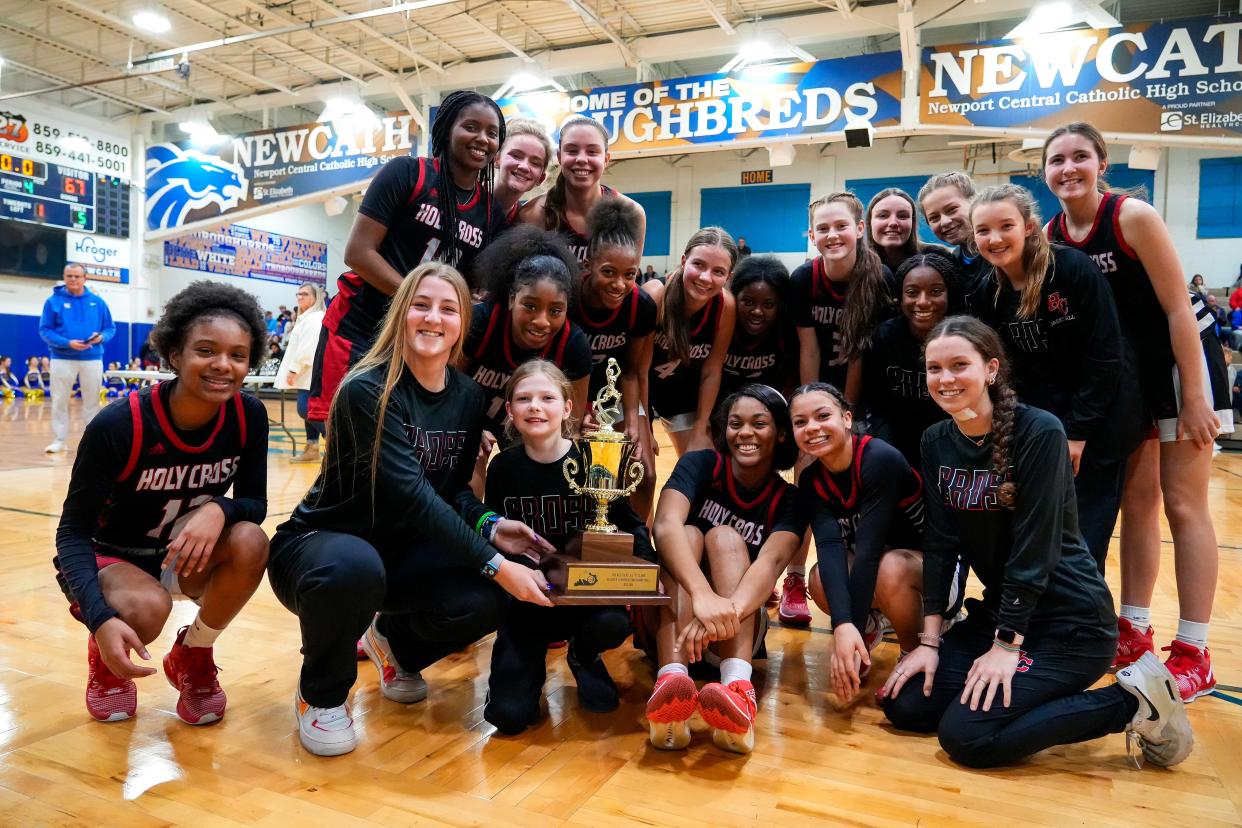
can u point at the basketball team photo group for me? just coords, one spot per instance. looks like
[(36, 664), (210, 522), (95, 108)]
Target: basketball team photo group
[(512, 474)]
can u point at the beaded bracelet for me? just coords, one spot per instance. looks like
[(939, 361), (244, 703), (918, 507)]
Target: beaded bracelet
[(1009, 648)]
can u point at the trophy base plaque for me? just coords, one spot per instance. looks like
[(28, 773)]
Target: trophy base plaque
[(601, 569)]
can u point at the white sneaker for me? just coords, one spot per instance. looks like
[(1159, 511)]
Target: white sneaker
[(1160, 726), (324, 731), (55, 447), (396, 684)]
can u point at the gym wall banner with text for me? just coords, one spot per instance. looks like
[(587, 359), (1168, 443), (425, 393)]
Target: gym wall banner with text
[(748, 105), (186, 184), (1173, 78)]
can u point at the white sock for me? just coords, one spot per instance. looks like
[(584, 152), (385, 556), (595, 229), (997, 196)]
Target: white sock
[(675, 667), (1192, 632), (800, 571), (200, 635), (734, 669), (1139, 617)]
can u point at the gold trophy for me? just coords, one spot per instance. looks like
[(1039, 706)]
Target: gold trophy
[(599, 565)]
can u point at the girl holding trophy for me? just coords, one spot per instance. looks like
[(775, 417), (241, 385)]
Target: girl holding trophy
[(527, 482)]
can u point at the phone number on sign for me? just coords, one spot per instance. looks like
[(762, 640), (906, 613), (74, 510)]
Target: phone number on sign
[(101, 153)]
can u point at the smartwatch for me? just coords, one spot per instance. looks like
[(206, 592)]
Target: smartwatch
[(492, 568), (1005, 636)]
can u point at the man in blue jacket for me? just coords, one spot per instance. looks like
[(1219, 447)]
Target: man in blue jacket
[(75, 324)]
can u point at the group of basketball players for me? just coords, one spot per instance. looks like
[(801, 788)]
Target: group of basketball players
[(989, 405)]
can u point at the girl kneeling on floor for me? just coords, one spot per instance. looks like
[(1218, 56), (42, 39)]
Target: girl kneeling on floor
[(526, 482)]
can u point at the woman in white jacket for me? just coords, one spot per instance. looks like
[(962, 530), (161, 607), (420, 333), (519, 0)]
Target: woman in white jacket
[(295, 367)]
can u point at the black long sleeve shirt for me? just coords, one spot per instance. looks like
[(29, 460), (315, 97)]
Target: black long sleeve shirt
[(421, 490), (1068, 358), (537, 494), (873, 506), (137, 477), (1036, 571), (894, 389)]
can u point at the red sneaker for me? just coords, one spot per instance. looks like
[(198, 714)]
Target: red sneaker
[(192, 672), (731, 713), (1191, 669), (672, 703), (1131, 644), (109, 698), (793, 607)]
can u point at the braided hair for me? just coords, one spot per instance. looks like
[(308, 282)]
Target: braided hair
[(613, 222), (786, 450), (1004, 399), (450, 111)]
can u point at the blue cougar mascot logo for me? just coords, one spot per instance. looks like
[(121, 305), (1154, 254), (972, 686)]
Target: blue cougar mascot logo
[(181, 180)]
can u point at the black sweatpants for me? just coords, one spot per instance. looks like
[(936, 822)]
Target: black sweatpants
[(335, 583), (1049, 706), (1097, 488), (520, 652)]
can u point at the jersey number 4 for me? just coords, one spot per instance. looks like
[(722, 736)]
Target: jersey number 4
[(176, 513)]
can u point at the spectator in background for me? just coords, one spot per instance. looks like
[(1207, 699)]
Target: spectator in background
[(45, 368), (1235, 328), (75, 324), (8, 380), (649, 274), (150, 358), (743, 249), (295, 368), (276, 351), (1196, 286), (34, 377), (270, 322), (1223, 326), (1235, 298)]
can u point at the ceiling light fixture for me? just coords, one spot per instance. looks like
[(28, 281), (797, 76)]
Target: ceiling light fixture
[(151, 21), (1061, 15)]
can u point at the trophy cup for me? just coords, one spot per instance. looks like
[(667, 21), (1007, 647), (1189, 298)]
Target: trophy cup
[(599, 565)]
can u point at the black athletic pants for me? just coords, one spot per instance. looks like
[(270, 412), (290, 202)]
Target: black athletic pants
[(1049, 706), (335, 583), (1098, 487), (520, 652)]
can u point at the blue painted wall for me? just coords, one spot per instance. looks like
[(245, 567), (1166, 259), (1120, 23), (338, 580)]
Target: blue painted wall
[(19, 338)]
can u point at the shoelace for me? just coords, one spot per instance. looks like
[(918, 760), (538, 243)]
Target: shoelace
[(103, 678), (202, 670), (1181, 665), (331, 718), (795, 585), (1134, 748)]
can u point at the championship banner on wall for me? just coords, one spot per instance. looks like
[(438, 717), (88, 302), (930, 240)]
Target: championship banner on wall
[(748, 105), (234, 250), (185, 184), (1174, 78)]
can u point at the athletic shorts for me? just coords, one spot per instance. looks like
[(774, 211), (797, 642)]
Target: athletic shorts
[(1168, 401), (334, 356), (678, 422), (147, 560)]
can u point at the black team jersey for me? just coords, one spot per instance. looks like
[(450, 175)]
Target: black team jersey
[(894, 388), (405, 198), (578, 243), (1036, 571), (421, 496), (536, 493), (673, 383), (610, 332), (873, 506), (491, 357), (975, 269), (706, 478), (1070, 358), (819, 303), (1143, 320), (770, 359), (137, 477)]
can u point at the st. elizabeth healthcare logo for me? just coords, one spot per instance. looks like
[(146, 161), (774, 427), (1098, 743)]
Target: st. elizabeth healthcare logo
[(181, 180), (1171, 120)]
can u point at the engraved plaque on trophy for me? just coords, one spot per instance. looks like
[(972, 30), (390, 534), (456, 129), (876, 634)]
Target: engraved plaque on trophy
[(599, 565)]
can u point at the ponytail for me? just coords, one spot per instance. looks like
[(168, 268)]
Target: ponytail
[(674, 321)]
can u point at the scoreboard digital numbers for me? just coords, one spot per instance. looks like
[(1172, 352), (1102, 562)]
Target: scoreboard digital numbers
[(62, 196)]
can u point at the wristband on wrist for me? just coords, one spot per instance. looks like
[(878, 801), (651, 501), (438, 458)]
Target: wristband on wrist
[(925, 637), (929, 645), (1009, 648), (483, 518)]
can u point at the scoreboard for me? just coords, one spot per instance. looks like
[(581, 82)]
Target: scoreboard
[(53, 194)]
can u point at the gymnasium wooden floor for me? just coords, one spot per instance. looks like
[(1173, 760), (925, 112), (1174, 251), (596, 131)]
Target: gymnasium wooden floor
[(815, 762)]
